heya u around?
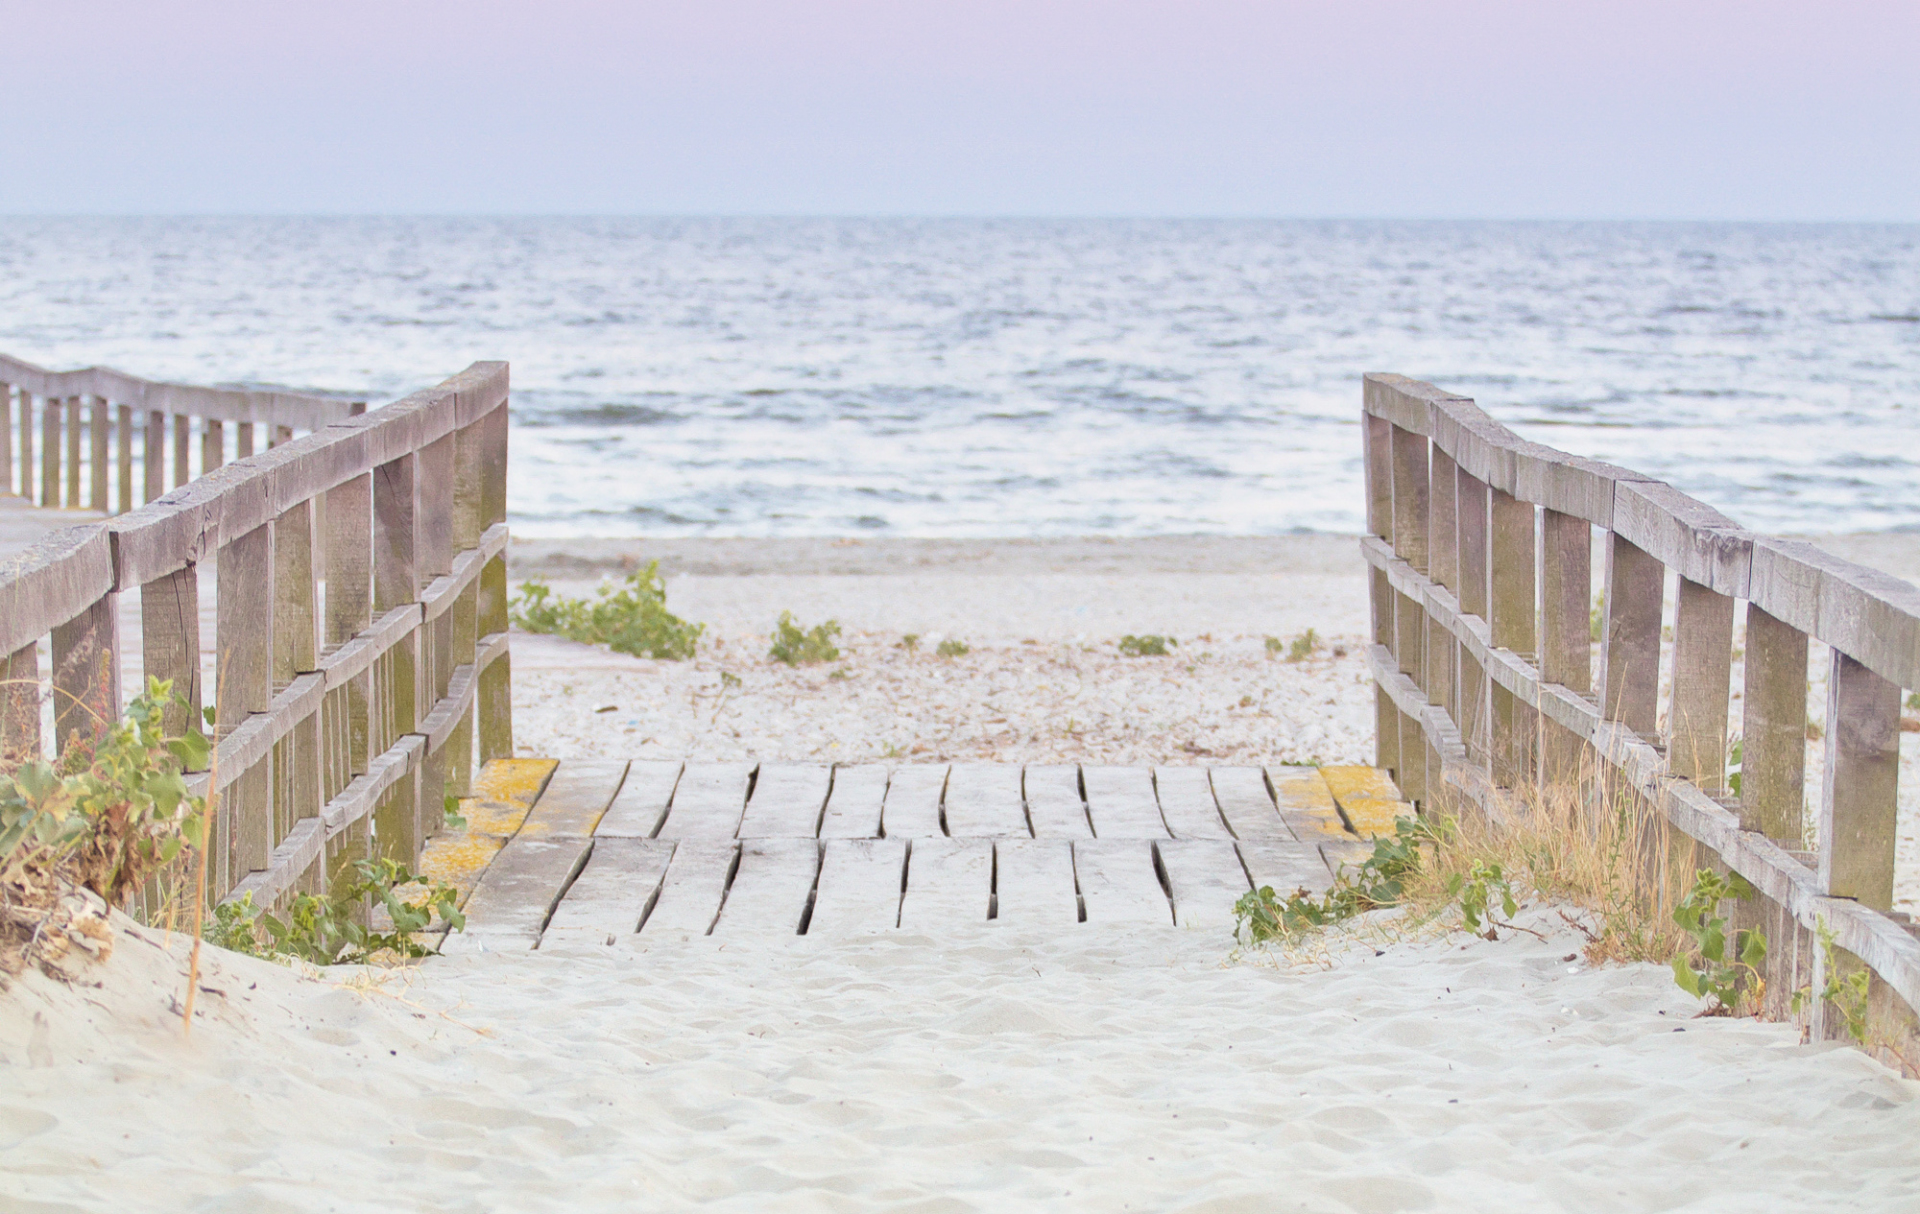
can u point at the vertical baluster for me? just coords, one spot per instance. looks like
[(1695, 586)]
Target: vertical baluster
[(243, 440), (98, 440), (1702, 672), (1857, 811), (395, 582), (6, 436), (74, 457), (123, 431), (1377, 437), (243, 685), (1470, 519), (1630, 659), (1510, 599), (295, 653), (1773, 729), (1443, 554), (349, 513), (86, 672), (1566, 641), (182, 449), (213, 444), (50, 410), (469, 506), (26, 444), (496, 685), (436, 473), (153, 457), (170, 642)]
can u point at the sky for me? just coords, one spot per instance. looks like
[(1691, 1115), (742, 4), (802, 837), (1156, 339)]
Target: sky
[(1627, 109)]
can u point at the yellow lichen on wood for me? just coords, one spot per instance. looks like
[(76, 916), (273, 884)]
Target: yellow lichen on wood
[(1307, 803), (1367, 798), (503, 795)]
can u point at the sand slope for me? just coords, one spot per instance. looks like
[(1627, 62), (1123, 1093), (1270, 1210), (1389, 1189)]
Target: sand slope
[(1100, 1070)]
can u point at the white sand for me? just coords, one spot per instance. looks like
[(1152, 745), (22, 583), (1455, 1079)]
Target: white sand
[(1099, 1071)]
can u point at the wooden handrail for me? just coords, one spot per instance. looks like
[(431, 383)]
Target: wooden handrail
[(361, 658), (1480, 567)]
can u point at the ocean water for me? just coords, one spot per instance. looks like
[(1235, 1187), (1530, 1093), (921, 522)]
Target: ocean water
[(1030, 377)]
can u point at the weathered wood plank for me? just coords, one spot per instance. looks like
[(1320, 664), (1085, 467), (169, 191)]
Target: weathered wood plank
[(1187, 805), (1121, 803), (1566, 579), (913, 802), (770, 892), (1858, 815), (1033, 883), (1241, 793), (153, 457), (708, 802), (1307, 805), (1367, 798), (1702, 671), (1410, 497), (691, 892), (861, 881), (855, 803), (949, 882), (640, 806), (1773, 756), (1118, 882), (1630, 660), (576, 796), (1053, 799), (1286, 866), (787, 801), (1206, 879), (510, 906), (983, 801), (99, 449), (170, 642), (123, 451), (20, 705), (612, 893)]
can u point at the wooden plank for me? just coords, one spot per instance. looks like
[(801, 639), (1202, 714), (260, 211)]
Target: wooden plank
[(854, 806), (1410, 494), (1033, 883), (99, 449), (1245, 803), (20, 706), (1773, 754), (1702, 672), (1054, 806), (1286, 866), (74, 500), (708, 802), (1367, 798), (1630, 661), (1858, 814), (612, 893), (860, 886), (949, 881), (771, 890), (691, 891), (983, 801), (1122, 804), (1206, 879), (641, 804), (182, 448), (913, 802), (170, 642), (1566, 581), (575, 797), (1118, 882), (1187, 805), (153, 457), (787, 801), (518, 891), (123, 455)]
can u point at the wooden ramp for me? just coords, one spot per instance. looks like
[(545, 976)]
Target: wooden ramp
[(629, 855)]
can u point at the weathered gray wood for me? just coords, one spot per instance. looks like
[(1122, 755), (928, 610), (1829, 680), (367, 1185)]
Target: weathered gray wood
[(170, 642), (1380, 607), (641, 804), (1410, 637), (434, 483), (213, 444), (914, 794), (1773, 755), (861, 881), (1121, 803), (243, 685), (1118, 883), (1307, 806), (1702, 672), (6, 437), (1470, 521), (1630, 661), (1033, 883), (1205, 878), (1510, 581), (99, 450), (708, 802), (611, 895), (1377, 437), (50, 411), (949, 882), (692, 890), (577, 794), (1566, 577), (1443, 523), (396, 577), (348, 519), (1187, 805), (74, 457), (243, 440), (983, 801), (182, 449), (1286, 866), (1858, 812), (1245, 803), (772, 891), (26, 444), (1410, 497), (1054, 807), (1386, 727), (854, 806), (20, 706), (153, 457), (493, 708), (1693, 539), (787, 801), (509, 908), (295, 650), (123, 431)]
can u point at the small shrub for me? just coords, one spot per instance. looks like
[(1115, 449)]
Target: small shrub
[(1275, 647), (1847, 992), (909, 641), (1722, 974), (631, 618), (324, 929), (952, 649), (1150, 646), (1303, 646), (797, 646)]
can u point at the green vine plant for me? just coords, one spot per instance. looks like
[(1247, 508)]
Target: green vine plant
[(1152, 645), (1262, 916), (1846, 992), (798, 646), (630, 617), (326, 929), (1727, 972)]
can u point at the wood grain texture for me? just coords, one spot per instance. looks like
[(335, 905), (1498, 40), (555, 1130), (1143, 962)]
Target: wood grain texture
[(855, 804), (708, 802), (861, 882), (1187, 805), (640, 806), (787, 801), (1245, 803), (612, 894), (691, 892), (771, 890), (1054, 807), (949, 883), (1121, 802), (913, 800), (1205, 878), (1033, 883), (1119, 884), (983, 801)]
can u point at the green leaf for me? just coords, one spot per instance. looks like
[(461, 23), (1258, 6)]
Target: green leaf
[(1685, 978)]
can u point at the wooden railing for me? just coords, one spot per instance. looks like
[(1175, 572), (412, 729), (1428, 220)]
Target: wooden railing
[(99, 429), (360, 624), (1481, 571)]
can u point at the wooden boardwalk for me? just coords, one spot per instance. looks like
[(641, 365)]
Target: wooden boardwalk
[(633, 853)]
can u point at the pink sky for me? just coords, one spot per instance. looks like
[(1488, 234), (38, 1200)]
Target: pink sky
[(1740, 110)]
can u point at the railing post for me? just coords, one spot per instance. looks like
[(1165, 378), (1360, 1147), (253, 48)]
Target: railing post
[(1702, 672), (20, 705), (74, 458), (1773, 729), (1858, 808), (297, 757), (86, 672), (1443, 555), (349, 518), (26, 444), (153, 457), (494, 695), (182, 449), (434, 481), (242, 440), (1630, 659), (1510, 598), (123, 430), (97, 436), (6, 438), (395, 583), (469, 507), (1470, 516), (170, 642), (50, 409), (213, 444), (243, 685), (1566, 642)]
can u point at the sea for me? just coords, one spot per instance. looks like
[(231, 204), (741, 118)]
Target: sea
[(1016, 377)]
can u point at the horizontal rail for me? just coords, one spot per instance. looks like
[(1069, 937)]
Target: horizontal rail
[(266, 406)]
